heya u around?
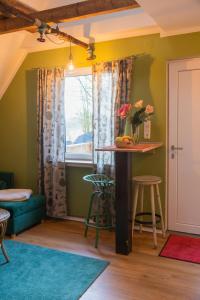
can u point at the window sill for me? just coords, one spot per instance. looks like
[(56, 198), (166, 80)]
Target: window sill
[(79, 163)]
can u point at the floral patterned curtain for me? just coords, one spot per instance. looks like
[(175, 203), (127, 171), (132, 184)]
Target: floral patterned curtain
[(51, 140), (111, 88)]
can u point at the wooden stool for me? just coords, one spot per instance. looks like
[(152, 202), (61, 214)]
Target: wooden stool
[(153, 182)]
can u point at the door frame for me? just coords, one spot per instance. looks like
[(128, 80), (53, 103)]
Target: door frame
[(167, 134)]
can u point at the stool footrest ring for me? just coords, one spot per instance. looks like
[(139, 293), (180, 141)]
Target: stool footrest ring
[(99, 227), (158, 218)]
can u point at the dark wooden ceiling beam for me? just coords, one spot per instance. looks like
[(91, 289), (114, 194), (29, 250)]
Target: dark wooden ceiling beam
[(12, 11), (4, 11), (67, 13), (24, 8), (15, 8), (44, 29)]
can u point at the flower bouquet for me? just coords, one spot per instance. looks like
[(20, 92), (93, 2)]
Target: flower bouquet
[(135, 114)]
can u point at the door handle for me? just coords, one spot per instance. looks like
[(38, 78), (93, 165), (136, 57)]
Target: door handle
[(173, 148)]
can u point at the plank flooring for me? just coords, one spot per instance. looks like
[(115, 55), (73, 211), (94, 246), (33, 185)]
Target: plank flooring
[(142, 275)]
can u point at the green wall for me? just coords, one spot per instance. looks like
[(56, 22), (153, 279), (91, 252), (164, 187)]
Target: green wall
[(18, 106)]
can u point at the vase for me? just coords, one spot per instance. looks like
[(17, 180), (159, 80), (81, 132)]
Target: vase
[(136, 134), (132, 131), (128, 130)]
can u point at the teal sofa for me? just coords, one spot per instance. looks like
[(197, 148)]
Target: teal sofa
[(23, 214)]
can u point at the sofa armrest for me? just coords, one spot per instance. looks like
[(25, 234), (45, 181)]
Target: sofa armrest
[(8, 178)]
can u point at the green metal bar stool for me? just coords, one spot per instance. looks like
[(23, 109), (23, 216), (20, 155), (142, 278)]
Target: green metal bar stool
[(102, 194)]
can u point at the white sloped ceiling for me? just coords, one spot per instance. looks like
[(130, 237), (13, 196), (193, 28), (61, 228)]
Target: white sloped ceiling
[(12, 55), (175, 16), (155, 16)]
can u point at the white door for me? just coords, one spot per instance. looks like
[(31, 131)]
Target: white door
[(184, 146)]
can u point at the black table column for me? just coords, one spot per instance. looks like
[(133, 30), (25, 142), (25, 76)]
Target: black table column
[(123, 202)]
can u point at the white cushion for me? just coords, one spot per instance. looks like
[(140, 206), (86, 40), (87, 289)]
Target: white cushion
[(15, 194)]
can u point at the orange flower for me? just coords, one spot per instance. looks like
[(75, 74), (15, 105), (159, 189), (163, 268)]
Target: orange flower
[(138, 104), (149, 109)]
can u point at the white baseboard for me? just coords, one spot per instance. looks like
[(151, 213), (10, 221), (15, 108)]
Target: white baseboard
[(77, 219)]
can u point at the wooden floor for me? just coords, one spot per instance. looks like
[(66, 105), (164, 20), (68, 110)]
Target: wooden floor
[(142, 275)]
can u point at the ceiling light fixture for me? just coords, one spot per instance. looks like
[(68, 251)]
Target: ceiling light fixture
[(45, 29)]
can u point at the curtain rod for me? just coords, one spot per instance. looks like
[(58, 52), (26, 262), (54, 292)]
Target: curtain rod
[(131, 56), (39, 68), (121, 58)]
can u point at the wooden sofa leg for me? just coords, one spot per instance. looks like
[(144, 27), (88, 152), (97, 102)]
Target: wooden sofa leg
[(13, 236)]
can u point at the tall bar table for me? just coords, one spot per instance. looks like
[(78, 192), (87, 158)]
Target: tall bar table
[(123, 192)]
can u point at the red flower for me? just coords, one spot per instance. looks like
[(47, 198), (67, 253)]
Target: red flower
[(124, 110)]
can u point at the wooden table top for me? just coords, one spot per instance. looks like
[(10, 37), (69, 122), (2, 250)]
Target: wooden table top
[(140, 148), (4, 215)]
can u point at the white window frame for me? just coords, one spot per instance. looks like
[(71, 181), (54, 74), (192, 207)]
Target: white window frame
[(76, 157)]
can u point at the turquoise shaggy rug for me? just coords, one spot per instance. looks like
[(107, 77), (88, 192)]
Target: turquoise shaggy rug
[(37, 273)]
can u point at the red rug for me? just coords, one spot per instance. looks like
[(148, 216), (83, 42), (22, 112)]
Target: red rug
[(182, 248)]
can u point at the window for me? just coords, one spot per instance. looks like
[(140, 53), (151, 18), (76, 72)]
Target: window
[(78, 112)]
